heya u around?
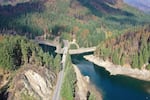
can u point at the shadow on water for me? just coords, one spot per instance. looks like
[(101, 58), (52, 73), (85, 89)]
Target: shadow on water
[(77, 57), (49, 49)]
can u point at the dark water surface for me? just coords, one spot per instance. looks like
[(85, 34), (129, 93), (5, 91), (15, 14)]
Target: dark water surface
[(113, 87), (49, 49)]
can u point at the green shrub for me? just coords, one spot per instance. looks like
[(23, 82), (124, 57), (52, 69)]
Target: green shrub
[(68, 87)]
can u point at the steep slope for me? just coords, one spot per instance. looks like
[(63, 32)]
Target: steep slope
[(89, 22), (26, 72), (14, 2), (31, 83), (140, 4), (131, 48)]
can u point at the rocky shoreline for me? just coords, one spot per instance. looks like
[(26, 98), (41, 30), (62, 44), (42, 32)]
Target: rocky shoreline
[(141, 74), (84, 88)]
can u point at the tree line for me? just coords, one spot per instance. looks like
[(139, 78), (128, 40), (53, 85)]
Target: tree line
[(131, 48), (16, 51)]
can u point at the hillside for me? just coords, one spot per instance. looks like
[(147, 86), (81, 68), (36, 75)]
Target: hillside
[(131, 48), (89, 22), (22, 62), (140, 4), (120, 32), (17, 51)]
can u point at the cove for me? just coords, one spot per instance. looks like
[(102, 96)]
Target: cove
[(113, 87)]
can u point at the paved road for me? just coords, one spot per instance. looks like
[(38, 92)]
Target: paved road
[(56, 95), (66, 44), (82, 50)]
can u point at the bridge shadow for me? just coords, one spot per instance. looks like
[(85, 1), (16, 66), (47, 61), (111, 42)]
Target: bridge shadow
[(49, 49)]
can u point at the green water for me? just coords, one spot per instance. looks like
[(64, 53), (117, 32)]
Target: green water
[(113, 87)]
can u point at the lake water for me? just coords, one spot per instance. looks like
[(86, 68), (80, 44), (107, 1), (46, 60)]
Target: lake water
[(113, 87)]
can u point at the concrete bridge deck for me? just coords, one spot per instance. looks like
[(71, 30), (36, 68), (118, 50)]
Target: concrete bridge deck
[(60, 50), (81, 50), (46, 42)]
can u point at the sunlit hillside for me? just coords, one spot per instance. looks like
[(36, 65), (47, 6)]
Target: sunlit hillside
[(93, 20)]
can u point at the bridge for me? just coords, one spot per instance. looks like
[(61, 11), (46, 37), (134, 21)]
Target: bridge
[(63, 51), (81, 50), (46, 42), (59, 50), (78, 51)]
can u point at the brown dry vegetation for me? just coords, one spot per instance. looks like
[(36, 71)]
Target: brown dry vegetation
[(129, 48)]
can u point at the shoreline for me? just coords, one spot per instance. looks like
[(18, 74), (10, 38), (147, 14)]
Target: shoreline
[(84, 87), (142, 74)]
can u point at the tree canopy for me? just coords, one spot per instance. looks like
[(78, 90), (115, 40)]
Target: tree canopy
[(16, 51)]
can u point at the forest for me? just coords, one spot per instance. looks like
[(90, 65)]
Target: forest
[(17, 51), (120, 32), (88, 22), (131, 48)]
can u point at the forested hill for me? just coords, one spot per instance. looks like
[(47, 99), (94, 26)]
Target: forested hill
[(88, 21), (16, 51), (143, 5), (131, 48)]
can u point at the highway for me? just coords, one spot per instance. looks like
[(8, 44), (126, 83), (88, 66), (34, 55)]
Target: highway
[(56, 95)]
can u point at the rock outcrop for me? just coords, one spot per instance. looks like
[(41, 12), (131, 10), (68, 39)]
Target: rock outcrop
[(34, 83), (84, 89)]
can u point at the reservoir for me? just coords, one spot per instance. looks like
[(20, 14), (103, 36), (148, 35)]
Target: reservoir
[(113, 87)]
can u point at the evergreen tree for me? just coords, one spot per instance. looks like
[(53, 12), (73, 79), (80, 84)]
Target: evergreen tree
[(141, 61), (24, 49), (48, 60), (16, 51), (57, 61), (135, 61), (115, 58), (145, 54)]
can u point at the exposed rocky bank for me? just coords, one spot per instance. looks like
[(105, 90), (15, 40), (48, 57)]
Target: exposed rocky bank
[(32, 83), (141, 74), (84, 88)]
